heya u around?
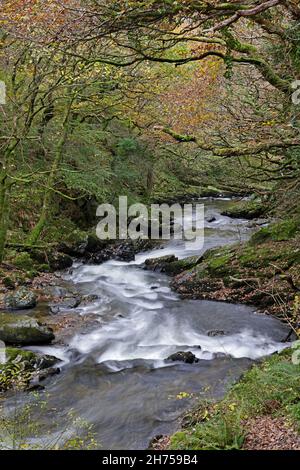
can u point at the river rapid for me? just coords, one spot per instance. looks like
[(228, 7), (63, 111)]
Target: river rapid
[(115, 375)]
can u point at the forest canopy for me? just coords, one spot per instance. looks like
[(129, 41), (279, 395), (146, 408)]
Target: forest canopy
[(140, 96)]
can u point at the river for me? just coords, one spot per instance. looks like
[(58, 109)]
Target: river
[(115, 376)]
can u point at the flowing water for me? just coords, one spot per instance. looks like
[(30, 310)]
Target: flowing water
[(116, 376)]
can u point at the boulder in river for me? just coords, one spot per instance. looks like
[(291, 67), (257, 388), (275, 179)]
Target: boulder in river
[(23, 330), (120, 251), (213, 333), (20, 299), (182, 356)]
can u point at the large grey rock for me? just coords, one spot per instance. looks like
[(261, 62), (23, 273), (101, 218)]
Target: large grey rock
[(23, 330), (20, 299)]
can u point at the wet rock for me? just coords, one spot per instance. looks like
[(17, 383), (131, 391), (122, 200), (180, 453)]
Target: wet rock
[(30, 359), (86, 299), (258, 223), (213, 333), (221, 355), (66, 304), (42, 375), (182, 356), (85, 248), (246, 210), (60, 261), (124, 252), (23, 330), (171, 265), (32, 367), (21, 298), (120, 252), (210, 219), (160, 263)]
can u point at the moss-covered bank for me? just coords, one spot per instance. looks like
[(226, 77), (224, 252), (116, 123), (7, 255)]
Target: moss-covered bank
[(268, 392), (264, 272)]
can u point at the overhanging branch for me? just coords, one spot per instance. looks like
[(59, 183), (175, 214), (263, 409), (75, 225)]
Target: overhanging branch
[(242, 150)]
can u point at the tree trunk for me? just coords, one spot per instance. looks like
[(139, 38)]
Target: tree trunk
[(4, 212), (37, 230)]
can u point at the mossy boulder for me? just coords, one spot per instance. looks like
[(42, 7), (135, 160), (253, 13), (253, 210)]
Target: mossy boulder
[(278, 232), (25, 368), (159, 264), (211, 191), (263, 275), (20, 299), (23, 330), (24, 261), (30, 359), (84, 248), (56, 260), (246, 210)]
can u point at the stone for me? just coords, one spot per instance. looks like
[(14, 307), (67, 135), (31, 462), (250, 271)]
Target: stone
[(21, 298), (66, 304), (56, 260), (33, 367), (213, 333), (159, 263), (182, 356), (23, 330)]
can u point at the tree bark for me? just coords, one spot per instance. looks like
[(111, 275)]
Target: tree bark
[(37, 230), (4, 212)]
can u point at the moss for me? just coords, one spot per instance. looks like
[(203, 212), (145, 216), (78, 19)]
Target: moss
[(222, 425), (261, 257), (23, 261), (8, 282), (181, 265), (32, 273), (23, 330), (13, 353), (20, 366), (211, 191), (44, 267), (246, 209), (219, 264), (281, 231)]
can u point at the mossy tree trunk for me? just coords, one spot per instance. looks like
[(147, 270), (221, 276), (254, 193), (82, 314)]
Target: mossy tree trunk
[(37, 230), (4, 211)]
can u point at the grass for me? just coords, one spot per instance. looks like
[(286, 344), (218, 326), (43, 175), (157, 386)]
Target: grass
[(270, 388)]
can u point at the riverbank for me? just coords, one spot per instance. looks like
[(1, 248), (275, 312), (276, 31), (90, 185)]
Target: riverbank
[(263, 272), (260, 412)]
